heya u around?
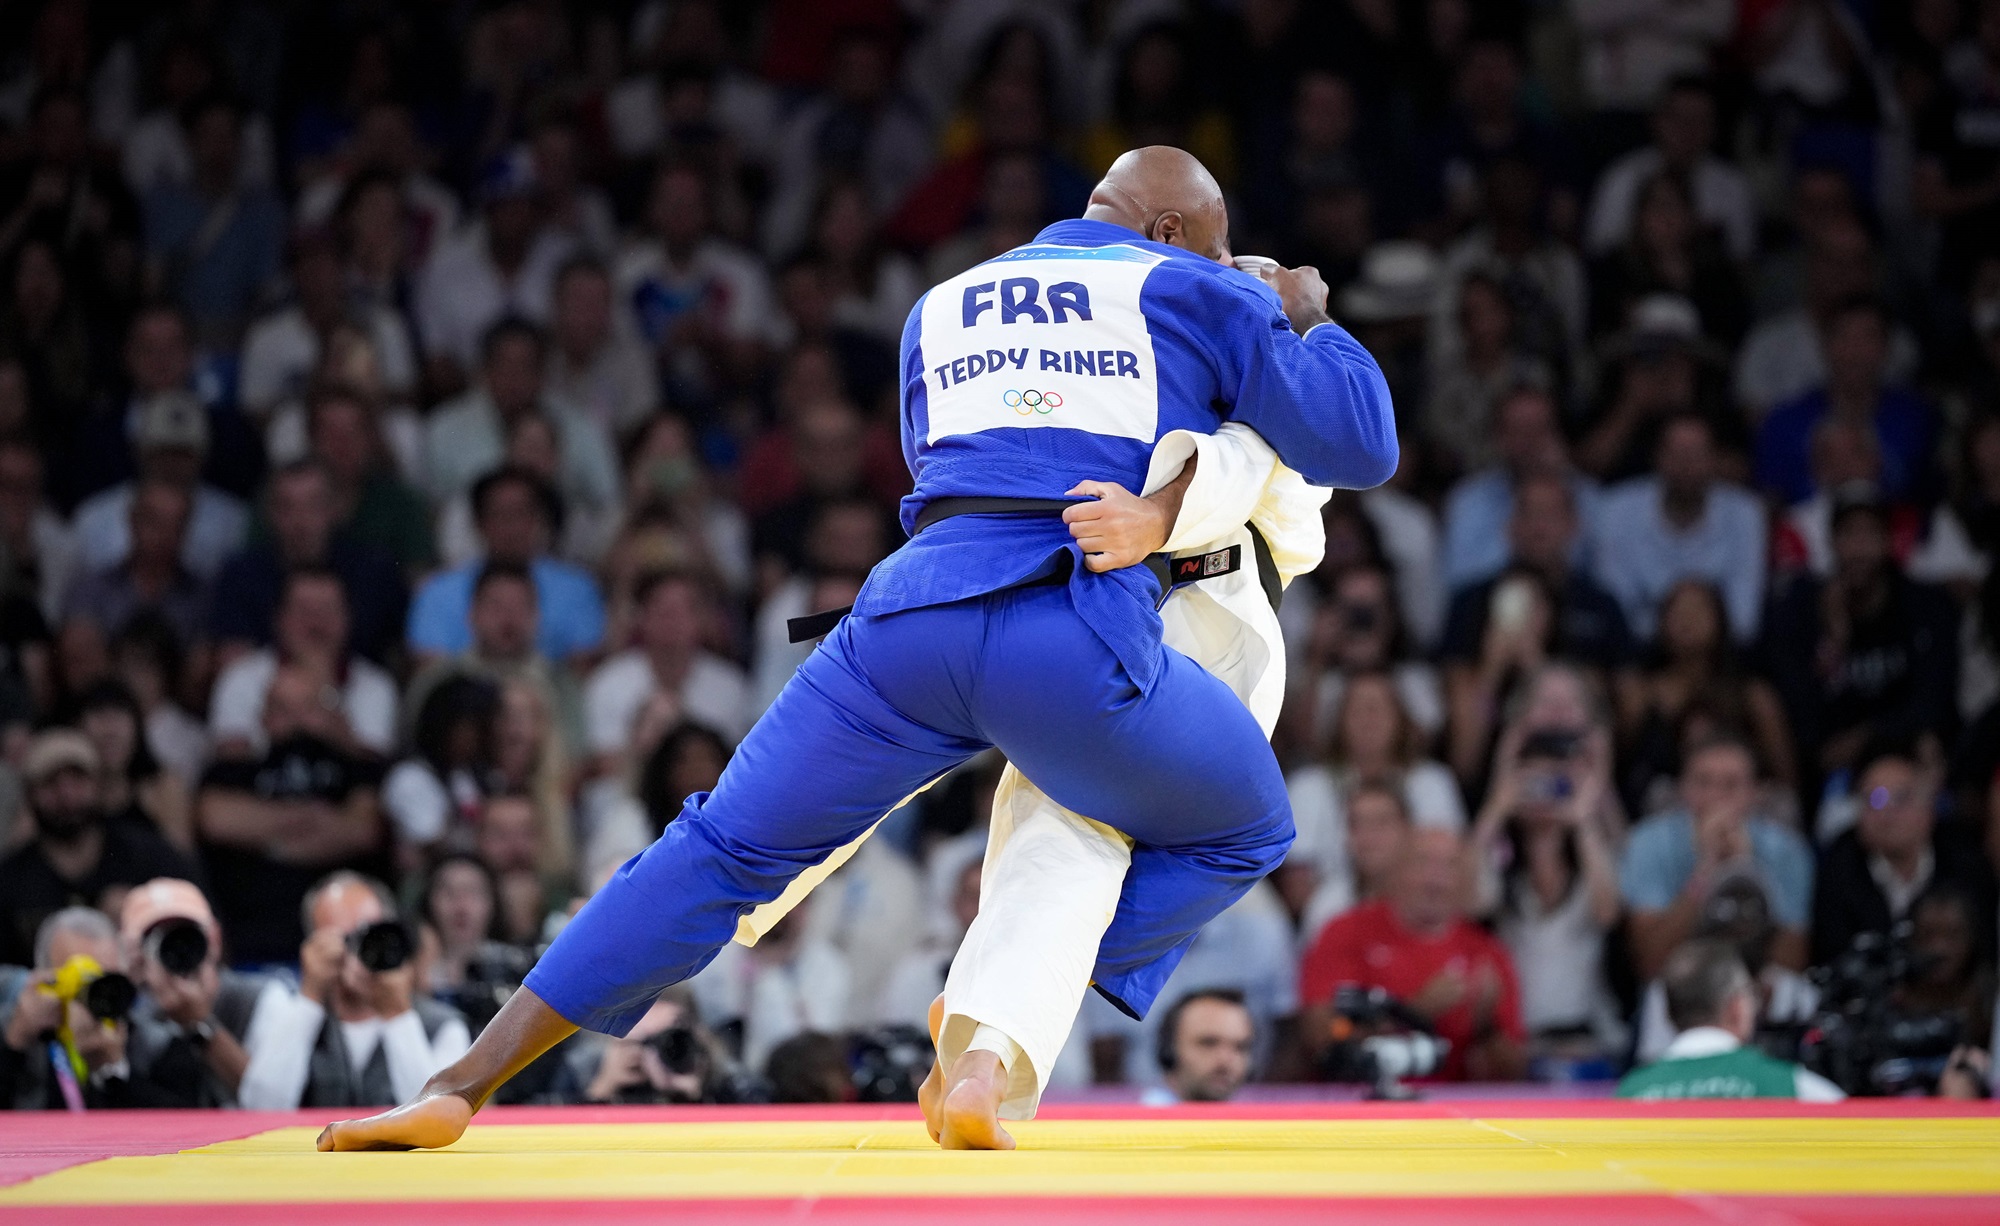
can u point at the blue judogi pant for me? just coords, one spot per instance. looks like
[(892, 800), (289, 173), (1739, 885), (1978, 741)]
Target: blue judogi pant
[(889, 703)]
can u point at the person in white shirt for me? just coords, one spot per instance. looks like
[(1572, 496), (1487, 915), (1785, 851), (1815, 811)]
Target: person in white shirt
[(600, 369), (1632, 48), (503, 264), (351, 1036), (1683, 131), (282, 350), (668, 664), (310, 629)]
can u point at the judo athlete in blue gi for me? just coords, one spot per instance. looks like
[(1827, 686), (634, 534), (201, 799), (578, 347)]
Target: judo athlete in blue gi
[(1043, 376)]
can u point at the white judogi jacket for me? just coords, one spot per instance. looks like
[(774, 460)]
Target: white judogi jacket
[(1052, 876)]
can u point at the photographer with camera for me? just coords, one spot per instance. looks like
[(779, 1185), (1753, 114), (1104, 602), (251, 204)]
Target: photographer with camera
[(192, 1015), (70, 1011), (357, 1033), (668, 1057), (1419, 948), (1713, 1002)]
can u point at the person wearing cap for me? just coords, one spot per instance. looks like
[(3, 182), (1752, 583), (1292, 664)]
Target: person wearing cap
[(170, 435), (1686, 522), (188, 1027), (78, 855), (504, 263), (1866, 652)]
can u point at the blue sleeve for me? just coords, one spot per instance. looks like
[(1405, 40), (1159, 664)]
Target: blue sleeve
[(1644, 876), (1788, 867), (1320, 400), (439, 615)]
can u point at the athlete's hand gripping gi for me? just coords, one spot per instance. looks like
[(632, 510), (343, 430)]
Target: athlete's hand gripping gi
[(985, 630)]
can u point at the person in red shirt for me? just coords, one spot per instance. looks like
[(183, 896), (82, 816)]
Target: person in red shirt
[(1417, 945)]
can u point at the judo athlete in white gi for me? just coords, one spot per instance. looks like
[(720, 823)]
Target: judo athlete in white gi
[(1043, 377), (1052, 877)]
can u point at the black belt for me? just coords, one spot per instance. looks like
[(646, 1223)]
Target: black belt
[(1171, 572)]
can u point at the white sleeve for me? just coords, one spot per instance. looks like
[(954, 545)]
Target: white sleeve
[(1234, 465), (416, 801), (413, 1056), (237, 709), (1813, 1088), (284, 1029)]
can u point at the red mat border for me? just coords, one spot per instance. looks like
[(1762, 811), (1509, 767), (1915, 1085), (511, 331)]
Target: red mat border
[(1088, 1211)]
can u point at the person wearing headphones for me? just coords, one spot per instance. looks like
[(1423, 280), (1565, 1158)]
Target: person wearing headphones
[(1204, 1047)]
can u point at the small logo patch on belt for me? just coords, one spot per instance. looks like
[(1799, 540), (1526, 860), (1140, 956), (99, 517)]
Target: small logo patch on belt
[(1208, 565)]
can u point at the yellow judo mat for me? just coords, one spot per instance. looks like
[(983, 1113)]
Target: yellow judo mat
[(1497, 1166)]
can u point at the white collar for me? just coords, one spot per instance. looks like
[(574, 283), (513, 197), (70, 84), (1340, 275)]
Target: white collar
[(1698, 1041)]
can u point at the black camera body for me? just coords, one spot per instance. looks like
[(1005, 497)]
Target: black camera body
[(110, 996), (1860, 1038), (179, 945), (1378, 1041), (384, 945)]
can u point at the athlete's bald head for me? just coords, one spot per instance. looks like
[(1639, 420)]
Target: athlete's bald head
[(1167, 195)]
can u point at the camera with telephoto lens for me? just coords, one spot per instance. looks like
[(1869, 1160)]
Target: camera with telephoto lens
[(384, 945), (890, 1062), (179, 945), (1860, 1038), (107, 996), (1378, 1041)]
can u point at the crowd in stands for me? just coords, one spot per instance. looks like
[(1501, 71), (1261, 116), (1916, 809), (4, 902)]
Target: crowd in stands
[(418, 422)]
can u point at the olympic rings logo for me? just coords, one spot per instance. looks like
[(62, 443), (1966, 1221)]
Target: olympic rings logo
[(1031, 401)]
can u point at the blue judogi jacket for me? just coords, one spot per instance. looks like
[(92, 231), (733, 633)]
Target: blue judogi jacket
[(1065, 360)]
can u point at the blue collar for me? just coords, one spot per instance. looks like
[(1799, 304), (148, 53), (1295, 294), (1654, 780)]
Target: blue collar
[(1081, 233)]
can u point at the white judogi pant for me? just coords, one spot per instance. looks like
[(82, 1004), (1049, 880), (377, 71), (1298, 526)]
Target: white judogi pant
[(1052, 876)]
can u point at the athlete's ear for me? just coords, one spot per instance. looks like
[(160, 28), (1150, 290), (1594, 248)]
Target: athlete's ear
[(1169, 229)]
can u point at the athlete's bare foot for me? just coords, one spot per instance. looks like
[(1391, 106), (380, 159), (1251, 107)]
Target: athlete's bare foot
[(971, 1110), (930, 1095), (430, 1122)]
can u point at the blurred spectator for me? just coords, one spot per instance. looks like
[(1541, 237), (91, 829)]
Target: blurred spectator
[(133, 787), (517, 514), (56, 186), (1417, 945), (1855, 340), (52, 342), (1157, 99), (1539, 608), (873, 287), (1545, 859), (469, 435), (215, 241), (1846, 459), (372, 505), (434, 796), (1371, 740), (810, 1068), (151, 576), (667, 1057), (1952, 975), (500, 266), (1479, 508), (686, 758), (147, 656), (574, 208), (355, 1035), (1011, 212), (1683, 135), (1206, 1040), (35, 1074), (248, 595), (667, 666), (525, 845), (1873, 873), (385, 148), (272, 825), (1865, 652), (171, 437), (1694, 683), (1686, 522), (1356, 629), (78, 854), (189, 1026), (1712, 1001), (758, 996), (1485, 365), (283, 349), (1489, 118), (311, 636), (1669, 251), (1738, 912), (594, 364), (861, 127), (1785, 355), (1676, 859), (36, 542), (157, 149), (1658, 368)]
